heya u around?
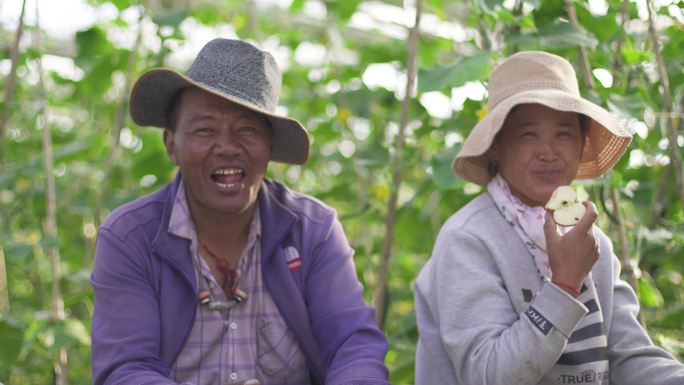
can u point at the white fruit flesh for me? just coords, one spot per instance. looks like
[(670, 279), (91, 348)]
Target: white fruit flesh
[(567, 211)]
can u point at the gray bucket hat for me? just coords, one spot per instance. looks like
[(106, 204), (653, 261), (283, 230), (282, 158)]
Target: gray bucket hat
[(236, 71)]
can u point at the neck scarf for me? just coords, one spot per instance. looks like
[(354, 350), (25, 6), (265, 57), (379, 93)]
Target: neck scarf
[(528, 222)]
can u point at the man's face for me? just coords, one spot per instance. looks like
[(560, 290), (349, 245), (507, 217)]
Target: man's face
[(538, 149), (222, 150)]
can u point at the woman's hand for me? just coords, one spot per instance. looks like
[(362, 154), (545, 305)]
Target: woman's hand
[(571, 256)]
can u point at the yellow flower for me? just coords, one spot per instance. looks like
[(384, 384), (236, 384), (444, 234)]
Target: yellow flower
[(23, 185), (381, 192), (482, 112), (343, 115)]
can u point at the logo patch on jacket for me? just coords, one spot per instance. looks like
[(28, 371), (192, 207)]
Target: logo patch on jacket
[(294, 261), (538, 320)]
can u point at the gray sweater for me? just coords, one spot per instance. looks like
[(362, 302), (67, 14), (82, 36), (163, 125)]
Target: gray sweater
[(486, 316)]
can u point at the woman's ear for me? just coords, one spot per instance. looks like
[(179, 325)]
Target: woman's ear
[(492, 153)]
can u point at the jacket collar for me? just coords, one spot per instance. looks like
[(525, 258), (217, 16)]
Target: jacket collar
[(276, 220), (167, 245)]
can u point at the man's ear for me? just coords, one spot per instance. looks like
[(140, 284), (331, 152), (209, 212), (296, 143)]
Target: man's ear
[(170, 148)]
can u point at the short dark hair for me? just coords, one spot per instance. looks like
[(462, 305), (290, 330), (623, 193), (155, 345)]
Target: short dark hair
[(172, 110), (584, 122)]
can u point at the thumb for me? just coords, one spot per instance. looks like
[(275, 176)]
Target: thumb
[(550, 228)]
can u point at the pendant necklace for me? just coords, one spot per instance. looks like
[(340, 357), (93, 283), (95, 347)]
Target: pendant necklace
[(231, 285)]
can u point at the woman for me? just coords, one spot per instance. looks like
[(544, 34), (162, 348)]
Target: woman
[(509, 297)]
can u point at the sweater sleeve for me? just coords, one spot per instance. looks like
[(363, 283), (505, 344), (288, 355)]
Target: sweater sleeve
[(634, 360), (483, 336), (352, 345), (125, 324)]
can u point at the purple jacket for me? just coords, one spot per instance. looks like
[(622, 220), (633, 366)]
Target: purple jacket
[(145, 291)]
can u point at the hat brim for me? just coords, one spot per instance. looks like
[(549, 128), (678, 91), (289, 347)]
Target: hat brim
[(154, 90), (605, 142)]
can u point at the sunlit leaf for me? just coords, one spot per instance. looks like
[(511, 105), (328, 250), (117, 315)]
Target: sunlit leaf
[(648, 293), (344, 9), (297, 5), (456, 74), (558, 35)]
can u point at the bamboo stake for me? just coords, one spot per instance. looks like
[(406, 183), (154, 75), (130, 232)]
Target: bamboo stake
[(50, 224), (676, 160), (4, 289), (11, 82), (381, 294)]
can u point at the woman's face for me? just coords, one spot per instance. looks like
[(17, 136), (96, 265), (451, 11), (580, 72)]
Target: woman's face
[(537, 150)]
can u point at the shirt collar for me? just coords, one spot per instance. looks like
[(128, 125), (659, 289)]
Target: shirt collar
[(181, 225)]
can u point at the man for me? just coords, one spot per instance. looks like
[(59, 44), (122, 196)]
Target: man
[(224, 276)]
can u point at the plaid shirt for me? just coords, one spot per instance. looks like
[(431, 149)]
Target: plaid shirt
[(251, 340)]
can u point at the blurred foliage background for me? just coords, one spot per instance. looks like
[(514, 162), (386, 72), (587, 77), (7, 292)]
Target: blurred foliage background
[(69, 152)]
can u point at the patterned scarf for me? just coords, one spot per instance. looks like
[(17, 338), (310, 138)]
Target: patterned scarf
[(585, 355)]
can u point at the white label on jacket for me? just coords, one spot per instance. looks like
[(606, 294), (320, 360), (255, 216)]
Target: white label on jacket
[(294, 261)]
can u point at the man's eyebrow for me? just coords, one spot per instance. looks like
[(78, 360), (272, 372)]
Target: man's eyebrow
[(197, 118)]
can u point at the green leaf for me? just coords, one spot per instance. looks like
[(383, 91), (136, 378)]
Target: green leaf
[(297, 5), (75, 329), (344, 9), (648, 293), (49, 242), (442, 174), (91, 46), (121, 4), (172, 19), (632, 55), (559, 35), (456, 74), (62, 333), (18, 252), (626, 105), (11, 337)]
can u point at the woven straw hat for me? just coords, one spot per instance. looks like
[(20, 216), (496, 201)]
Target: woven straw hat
[(541, 78), (236, 71)]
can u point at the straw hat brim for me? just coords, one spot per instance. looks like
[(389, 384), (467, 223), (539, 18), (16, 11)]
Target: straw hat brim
[(154, 90), (605, 142)]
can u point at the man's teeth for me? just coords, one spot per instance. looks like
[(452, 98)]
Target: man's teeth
[(223, 185), (228, 171)]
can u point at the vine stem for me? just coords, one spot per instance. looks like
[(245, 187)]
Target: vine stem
[(380, 299), (676, 160), (623, 240), (11, 82)]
